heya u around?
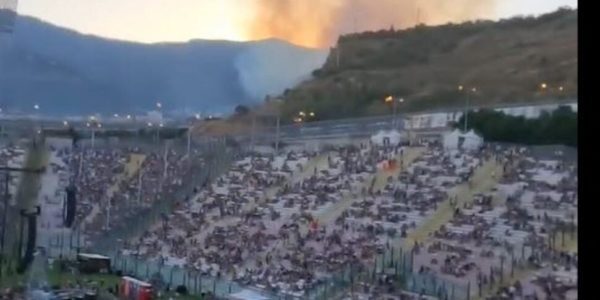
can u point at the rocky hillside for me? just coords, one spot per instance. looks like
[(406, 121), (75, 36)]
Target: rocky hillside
[(507, 61)]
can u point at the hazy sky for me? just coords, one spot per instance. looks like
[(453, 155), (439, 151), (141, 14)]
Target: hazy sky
[(181, 20)]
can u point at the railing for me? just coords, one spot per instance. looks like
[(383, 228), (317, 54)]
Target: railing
[(6, 120), (214, 160), (391, 262)]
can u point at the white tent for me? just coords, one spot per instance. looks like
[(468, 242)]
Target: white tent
[(472, 141), (451, 139), (391, 138), (458, 140)]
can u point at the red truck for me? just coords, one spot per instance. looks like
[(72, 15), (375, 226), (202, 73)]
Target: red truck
[(134, 289)]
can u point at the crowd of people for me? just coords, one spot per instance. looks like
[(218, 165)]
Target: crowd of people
[(289, 222), (515, 225), (115, 184), (266, 222), (220, 224), (406, 201)]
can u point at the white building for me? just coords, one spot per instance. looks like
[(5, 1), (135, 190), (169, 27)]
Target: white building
[(458, 140)]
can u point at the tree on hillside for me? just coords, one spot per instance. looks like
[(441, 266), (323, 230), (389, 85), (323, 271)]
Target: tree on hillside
[(557, 127)]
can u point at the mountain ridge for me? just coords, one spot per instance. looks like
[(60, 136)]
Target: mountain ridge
[(70, 73)]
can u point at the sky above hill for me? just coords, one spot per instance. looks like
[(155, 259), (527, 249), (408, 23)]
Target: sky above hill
[(312, 23)]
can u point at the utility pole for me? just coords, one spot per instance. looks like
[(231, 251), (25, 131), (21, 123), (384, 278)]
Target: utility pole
[(337, 55), (108, 206), (139, 196), (277, 134), (466, 113), (189, 141), (5, 215), (158, 134), (81, 163), (410, 125), (93, 137), (467, 104), (165, 166), (394, 109), (252, 141), (394, 114)]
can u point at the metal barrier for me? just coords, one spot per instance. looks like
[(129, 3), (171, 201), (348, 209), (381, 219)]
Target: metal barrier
[(174, 276), (348, 278), (391, 262)]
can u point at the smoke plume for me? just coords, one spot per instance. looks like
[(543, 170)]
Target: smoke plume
[(318, 23), (268, 68)]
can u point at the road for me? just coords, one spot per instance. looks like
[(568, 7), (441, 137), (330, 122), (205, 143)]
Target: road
[(362, 127), (321, 129)]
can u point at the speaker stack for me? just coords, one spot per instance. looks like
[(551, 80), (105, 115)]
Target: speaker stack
[(70, 206), (31, 218)]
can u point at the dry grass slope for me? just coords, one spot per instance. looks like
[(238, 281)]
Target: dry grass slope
[(506, 60)]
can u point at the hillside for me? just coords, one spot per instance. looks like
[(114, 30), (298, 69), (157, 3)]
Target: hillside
[(69, 73), (506, 61)]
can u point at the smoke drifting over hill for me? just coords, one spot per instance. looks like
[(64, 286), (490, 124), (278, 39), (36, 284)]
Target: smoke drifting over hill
[(68, 73), (319, 23)]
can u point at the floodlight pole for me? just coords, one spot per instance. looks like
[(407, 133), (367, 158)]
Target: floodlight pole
[(93, 137), (108, 207), (277, 133), (189, 141), (467, 111), (140, 172), (5, 215), (253, 132), (394, 114)]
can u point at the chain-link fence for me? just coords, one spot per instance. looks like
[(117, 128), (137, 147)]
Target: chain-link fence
[(207, 160), (214, 159), (392, 262), (319, 130), (400, 264), (174, 276)]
